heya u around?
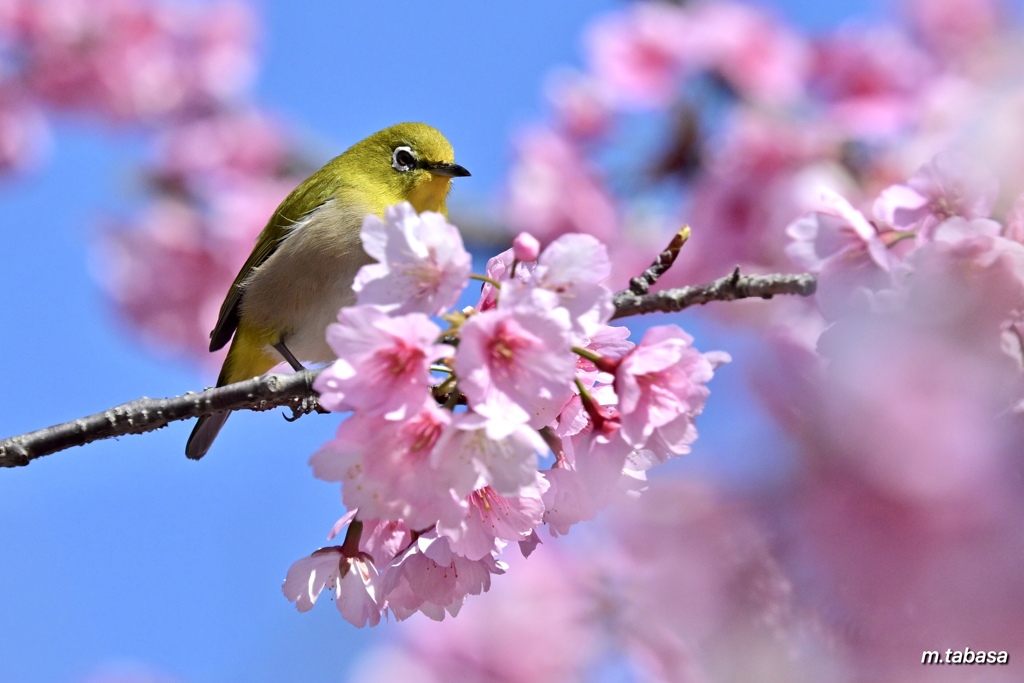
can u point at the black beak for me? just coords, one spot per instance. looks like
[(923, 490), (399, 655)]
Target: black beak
[(446, 170)]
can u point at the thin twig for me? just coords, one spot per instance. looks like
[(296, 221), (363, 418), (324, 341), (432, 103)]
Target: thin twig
[(728, 288), (642, 284)]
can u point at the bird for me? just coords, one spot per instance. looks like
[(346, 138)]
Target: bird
[(301, 268)]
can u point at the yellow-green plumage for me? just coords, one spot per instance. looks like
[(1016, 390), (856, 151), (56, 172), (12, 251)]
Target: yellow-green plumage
[(300, 272)]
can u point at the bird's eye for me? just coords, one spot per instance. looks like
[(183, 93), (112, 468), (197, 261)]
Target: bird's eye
[(403, 159)]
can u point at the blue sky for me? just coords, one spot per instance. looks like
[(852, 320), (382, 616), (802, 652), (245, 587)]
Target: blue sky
[(123, 551)]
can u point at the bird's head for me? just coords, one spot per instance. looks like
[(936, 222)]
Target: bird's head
[(410, 162)]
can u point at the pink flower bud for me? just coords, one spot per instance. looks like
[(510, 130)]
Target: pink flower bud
[(525, 247)]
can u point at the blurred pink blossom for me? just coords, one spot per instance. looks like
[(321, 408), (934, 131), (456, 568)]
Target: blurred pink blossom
[(950, 185), (751, 187), (955, 28), (501, 634), (870, 79), (163, 280), (581, 103), (640, 55), (554, 189), (760, 58), (24, 135), (133, 60), (1014, 229), (223, 145), (167, 270)]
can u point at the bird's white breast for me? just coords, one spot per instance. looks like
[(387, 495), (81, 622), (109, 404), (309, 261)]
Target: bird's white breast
[(299, 289)]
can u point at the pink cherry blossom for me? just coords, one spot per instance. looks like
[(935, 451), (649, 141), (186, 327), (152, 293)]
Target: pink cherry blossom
[(133, 60), (515, 364), (499, 269), (353, 580), (567, 501), (838, 227), (761, 58), (750, 187), (582, 104), (554, 189), (577, 492), (662, 387), (386, 469), (495, 517), (497, 638), (476, 452), (1014, 229), (225, 143), (606, 341), (24, 135), (525, 247), (640, 54), (383, 365), (590, 462), (422, 265), (871, 80), (574, 268), (839, 243), (956, 28), (429, 578), (950, 185)]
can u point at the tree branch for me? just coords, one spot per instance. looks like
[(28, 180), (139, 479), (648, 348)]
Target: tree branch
[(728, 288), (149, 414), (273, 391)]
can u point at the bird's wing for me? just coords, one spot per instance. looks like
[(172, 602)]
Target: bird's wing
[(227, 321), (307, 197)]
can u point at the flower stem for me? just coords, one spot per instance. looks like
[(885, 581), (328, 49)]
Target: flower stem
[(489, 280), (350, 548), (603, 363)]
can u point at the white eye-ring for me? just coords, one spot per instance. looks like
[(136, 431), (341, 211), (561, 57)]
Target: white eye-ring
[(403, 159)]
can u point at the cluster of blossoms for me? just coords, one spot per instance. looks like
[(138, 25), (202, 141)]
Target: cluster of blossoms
[(441, 460), (732, 119), (920, 380), (218, 165), (881, 497), (125, 61), (938, 226), (213, 182)]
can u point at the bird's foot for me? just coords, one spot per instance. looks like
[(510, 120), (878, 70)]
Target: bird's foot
[(304, 406)]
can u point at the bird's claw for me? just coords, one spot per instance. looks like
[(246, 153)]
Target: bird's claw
[(305, 406)]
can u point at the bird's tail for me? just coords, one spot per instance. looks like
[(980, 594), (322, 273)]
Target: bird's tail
[(246, 358), (203, 434)]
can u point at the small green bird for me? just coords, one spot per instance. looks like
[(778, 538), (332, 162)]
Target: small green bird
[(301, 270)]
